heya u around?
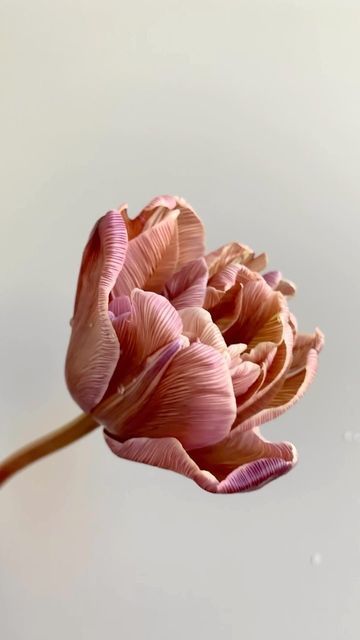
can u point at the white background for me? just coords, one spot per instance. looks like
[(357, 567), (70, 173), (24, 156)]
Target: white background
[(250, 110)]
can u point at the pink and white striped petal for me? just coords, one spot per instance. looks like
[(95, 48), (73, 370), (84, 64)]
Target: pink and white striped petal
[(94, 349)]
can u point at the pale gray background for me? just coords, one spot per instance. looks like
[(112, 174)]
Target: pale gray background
[(250, 110)]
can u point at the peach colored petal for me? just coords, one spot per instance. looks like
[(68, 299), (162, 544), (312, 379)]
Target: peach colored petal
[(264, 353), (198, 325), (258, 263), (166, 453), (259, 305), (227, 311), (286, 287), (288, 392), (156, 210), (303, 343), (145, 257), (274, 374), (225, 278), (187, 286), (94, 348), (227, 254), (193, 401)]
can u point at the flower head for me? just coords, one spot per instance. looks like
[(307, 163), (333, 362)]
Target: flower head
[(182, 355)]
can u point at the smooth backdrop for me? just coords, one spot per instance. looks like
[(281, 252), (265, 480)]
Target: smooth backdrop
[(250, 110)]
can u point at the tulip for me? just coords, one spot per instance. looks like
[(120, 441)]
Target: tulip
[(180, 355)]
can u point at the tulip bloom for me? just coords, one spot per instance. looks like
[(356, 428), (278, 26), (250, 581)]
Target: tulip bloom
[(183, 355)]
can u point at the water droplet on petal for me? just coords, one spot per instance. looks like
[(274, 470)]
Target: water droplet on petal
[(316, 559), (348, 436)]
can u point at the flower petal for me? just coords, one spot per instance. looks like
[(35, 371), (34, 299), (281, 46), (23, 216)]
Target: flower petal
[(94, 348), (258, 263), (151, 324), (286, 287), (198, 325), (193, 401), (166, 453), (254, 475), (145, 257), (227, 311), (156, 211), (236, 452), (187, 286), (234, 252), (287, 393), (191, 233), (272, 278), (244, 376)]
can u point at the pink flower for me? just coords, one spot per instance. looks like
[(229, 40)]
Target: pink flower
[(181, 355)]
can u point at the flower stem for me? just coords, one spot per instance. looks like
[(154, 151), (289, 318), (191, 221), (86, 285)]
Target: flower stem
[(49, 443)]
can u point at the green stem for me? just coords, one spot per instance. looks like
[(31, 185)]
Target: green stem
[(49, 443)]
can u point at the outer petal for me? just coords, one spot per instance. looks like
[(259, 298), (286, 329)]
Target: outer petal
[(145, 261), (193, 401), (239, 449), (166, 453), (187, 287), (94, 348), (254, 475)]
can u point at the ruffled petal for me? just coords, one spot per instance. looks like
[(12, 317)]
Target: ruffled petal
[(239, 449), (155, 212), (254, 475), (225, 313), (191, 233), (258, 263), (229, 253), (198, 326), (273, 374), (284, 395), (151, 258), (94, 348), (166, 453), (187, 287)]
